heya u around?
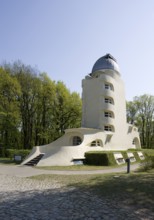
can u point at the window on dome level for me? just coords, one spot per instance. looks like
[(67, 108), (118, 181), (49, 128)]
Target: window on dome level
[(109, 86)]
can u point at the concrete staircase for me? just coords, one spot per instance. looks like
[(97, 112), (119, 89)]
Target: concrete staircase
[(34, 161)]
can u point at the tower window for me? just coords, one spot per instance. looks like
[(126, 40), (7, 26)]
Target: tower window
[(108, 128), (109, 100), (108, 114), (109, 86)]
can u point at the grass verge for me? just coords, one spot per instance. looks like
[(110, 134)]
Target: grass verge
[(134, 189), (4, 160), (77, 167)]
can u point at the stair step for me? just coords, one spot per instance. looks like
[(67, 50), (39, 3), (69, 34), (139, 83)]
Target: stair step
[(34, 161)]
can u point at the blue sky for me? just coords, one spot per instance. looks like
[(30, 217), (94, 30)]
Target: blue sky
[(65, 37)]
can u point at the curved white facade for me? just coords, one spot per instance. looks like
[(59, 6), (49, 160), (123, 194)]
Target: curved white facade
[(104, 125)]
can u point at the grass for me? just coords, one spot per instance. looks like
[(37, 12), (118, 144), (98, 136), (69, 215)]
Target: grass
[(4, 160), (77, 167), (149, 152), (134, 189)]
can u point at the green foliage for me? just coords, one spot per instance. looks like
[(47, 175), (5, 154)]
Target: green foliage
[(148, 163), (106, 158), (141, 113), (34, 110), (137, 156), (11, 152), (148, 152), (9, 109), (99, 158), (133, 150)]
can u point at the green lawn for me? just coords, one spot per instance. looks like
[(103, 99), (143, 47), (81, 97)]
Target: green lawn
[(150, 152), (135, 189), (77, 167), (4, 160), (131, 189)]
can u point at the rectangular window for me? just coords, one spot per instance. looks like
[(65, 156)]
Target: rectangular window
[(108, 114), (107, 100), (107, 128), (109, 86)]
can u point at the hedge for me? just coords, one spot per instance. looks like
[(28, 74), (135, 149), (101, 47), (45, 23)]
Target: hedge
[(99, 158), (106, 158), (11, 152)]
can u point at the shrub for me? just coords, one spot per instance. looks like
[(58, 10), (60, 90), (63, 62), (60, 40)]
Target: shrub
[(11, 152), (132, 149), (106, 158), (99, 158), (147, 164), (149, 152), (2, 152)]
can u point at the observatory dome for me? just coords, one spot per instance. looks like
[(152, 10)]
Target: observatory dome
[(106, 62)]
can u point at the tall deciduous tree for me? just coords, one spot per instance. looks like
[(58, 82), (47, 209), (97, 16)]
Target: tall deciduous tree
[(29, 83), (44, 125), (67, 112), (141, 111), (43, 108), (10, 91)]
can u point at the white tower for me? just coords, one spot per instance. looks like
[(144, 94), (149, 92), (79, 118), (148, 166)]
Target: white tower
[(104, 104), (103, 96)]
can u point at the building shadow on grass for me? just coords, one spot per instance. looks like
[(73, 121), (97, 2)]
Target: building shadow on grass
[(131, 194), (115, 197)]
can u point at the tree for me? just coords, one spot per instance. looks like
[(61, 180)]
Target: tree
[(67, 112), (44, 124), (141, 111), (9, 110), (131, 112), (44, 108), (28, 80)]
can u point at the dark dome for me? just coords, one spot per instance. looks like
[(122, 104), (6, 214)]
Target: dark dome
[(106, 62)]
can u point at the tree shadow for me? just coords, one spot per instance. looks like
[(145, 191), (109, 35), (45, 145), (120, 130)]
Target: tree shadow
[(114, 197), (132, 193)]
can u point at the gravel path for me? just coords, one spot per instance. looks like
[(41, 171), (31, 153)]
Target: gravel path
[(23, 198)]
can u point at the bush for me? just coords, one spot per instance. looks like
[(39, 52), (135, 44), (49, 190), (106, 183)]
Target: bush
[(147, 164), (2, 152), (99, 158), (132, 149), (149, 152), (106, 158), (11, 152)]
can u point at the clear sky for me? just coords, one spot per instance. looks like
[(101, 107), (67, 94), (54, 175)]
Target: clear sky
[(65, 37)]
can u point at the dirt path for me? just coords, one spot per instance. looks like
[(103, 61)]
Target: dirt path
[(25, 171)]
